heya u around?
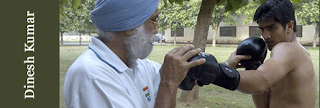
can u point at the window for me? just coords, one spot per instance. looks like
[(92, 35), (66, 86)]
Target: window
[(229, 31), (180, 32), (254, 31), (299, 31)]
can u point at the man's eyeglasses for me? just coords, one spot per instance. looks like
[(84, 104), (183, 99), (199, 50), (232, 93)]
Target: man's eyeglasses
[(153, 22)]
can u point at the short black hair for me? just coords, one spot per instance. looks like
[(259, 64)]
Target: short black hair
[(281, 11)]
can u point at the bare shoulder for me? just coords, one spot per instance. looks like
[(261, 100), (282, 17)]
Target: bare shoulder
[(292, 52), (283, 50)]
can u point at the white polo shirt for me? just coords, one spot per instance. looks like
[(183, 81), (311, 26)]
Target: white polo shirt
[(99, 79)]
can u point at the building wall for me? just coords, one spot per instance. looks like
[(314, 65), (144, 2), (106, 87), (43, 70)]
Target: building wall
[(242, 32), (307, 35), (187, 38)]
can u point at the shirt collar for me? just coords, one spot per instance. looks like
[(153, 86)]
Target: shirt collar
[(106, 55)]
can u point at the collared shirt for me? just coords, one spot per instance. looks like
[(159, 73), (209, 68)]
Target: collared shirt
[(99, 79)]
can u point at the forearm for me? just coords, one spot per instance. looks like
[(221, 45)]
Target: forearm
[(166, 95)]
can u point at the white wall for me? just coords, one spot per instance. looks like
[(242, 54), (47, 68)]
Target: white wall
[(75, 38), (242, 33), (307, 35), (188, 36)]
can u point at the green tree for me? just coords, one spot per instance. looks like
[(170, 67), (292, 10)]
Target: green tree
[(202, 28), (186, 15), (203, 23), (308, 14), (176, 16), (172, 18), (74, 3), (66, 21), (220, 15), (83, 23), (205, 17), (76, 18), (249, 10)]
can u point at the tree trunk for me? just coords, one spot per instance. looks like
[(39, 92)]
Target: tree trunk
[(215, 34), (200, 39), (161, 32), (89, 27), (190, 95), (316, 35), (203, 23), (61, 40), (80, 39), (174, 39)]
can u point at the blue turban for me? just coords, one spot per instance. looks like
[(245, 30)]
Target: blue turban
[(122, 15)]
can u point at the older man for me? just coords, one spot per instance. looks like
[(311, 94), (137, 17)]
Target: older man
[(113, 71)]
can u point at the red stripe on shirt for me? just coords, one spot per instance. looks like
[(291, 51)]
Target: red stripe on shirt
[(145, 88)]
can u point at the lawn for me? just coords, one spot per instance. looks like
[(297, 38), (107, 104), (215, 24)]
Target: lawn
[(209, 96)]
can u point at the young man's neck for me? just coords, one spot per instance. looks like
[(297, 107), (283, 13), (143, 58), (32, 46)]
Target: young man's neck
[(291, 38)]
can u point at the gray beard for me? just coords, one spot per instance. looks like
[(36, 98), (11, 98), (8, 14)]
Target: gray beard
[(139, 45)]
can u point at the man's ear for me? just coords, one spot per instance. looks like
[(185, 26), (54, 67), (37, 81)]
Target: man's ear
[(290, 26), (130, 32)]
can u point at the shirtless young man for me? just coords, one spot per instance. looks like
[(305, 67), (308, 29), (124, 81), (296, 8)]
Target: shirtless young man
[(287, 78)]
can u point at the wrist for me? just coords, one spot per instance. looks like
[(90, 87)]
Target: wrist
[(168, 81), (226, 63), (166, 97)]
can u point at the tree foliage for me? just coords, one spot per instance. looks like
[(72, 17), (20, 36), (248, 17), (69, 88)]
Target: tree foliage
[(248, 10), (230, 5), (220, 15), (175, 16), (74, 3), (308, 12), (76, 18), (202, 25)]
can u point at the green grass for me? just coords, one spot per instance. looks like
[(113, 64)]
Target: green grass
[(209, 96)]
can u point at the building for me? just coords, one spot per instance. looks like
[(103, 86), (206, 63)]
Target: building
[(234, 34)]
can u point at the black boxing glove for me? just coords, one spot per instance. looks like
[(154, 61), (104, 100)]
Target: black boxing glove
[(210, 72), (256, 47)]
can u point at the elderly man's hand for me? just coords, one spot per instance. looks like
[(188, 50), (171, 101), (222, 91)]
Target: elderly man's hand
[(175, 66)]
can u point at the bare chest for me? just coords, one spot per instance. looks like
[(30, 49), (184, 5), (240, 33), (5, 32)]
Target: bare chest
[(296, 88)]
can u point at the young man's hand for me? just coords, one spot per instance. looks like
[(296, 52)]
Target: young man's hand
[(234, 60)]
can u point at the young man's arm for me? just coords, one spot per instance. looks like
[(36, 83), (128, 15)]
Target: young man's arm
[(173, 71), (262, 100), (272, 71)]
